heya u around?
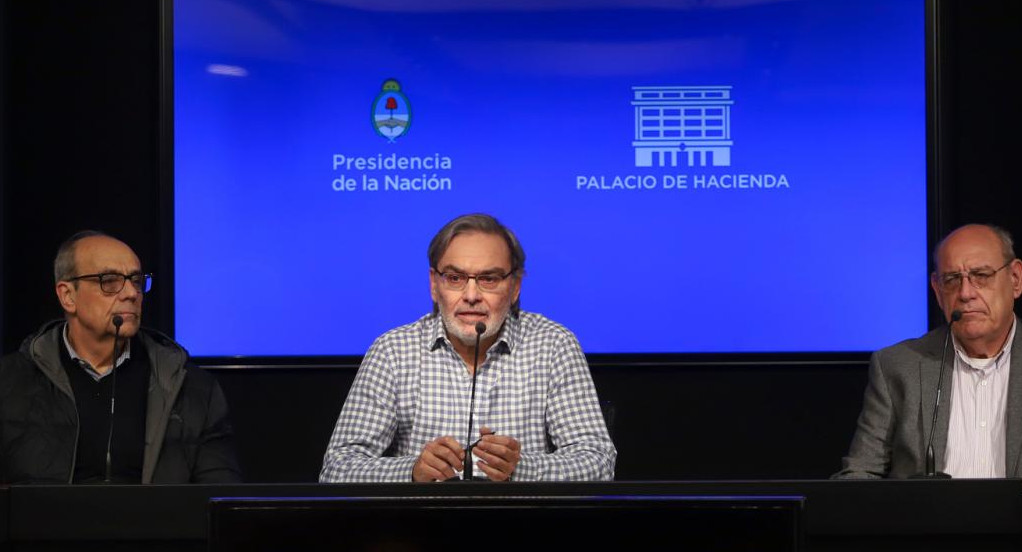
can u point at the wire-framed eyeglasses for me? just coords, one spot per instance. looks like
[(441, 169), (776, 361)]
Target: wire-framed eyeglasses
[(487, 281), (979, 278)]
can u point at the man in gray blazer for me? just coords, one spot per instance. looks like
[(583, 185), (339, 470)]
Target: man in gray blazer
[(979, 424)]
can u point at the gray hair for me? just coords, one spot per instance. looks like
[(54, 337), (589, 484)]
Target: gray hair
[(64, 264), (486, 224), (1007, 243)]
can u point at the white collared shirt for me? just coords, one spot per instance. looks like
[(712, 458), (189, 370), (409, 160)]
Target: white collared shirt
[(89, 368), (979, 398)]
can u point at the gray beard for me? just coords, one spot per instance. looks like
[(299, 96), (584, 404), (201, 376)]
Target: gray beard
[(452, 328)]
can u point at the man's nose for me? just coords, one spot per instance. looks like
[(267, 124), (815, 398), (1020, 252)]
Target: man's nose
[(129, 292), (966, 291), (472, 293)]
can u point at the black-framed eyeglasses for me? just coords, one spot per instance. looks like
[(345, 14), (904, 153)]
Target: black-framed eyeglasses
[(487, 281), (978, 277), (113, 282)]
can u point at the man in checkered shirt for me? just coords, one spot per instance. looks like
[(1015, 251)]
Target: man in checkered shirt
[(535, 414)]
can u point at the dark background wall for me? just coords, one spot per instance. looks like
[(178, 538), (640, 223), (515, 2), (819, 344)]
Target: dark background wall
[(79, 148)]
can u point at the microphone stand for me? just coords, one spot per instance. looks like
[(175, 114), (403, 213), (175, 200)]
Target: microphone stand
[(466, 474), (931, 461), (117, 321)]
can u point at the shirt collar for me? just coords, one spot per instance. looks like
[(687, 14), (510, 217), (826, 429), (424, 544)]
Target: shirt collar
[(125, 355), (508, 337), (986, 363)]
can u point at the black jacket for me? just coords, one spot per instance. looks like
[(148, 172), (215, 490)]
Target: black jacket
[(188, 438)]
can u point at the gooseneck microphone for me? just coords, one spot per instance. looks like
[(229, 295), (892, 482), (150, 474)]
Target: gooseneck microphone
[(117, 321), (467, 473), (931, 463)]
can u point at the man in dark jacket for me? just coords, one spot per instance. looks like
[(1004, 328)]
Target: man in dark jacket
[(94, 398)]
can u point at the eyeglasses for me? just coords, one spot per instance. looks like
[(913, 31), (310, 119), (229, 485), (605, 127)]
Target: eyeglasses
[(978, 277), (456, 281), (113, 282)]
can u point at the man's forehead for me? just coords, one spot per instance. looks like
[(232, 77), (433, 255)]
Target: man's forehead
[(98, 253), (973, 247), (476, 250)]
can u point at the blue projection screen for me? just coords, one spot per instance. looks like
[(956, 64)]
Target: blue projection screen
[(730, 176)]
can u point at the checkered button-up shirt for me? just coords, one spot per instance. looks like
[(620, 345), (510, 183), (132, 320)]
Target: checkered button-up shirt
[(412, 387)]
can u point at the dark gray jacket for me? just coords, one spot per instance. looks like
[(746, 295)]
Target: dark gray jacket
[(188, 438)]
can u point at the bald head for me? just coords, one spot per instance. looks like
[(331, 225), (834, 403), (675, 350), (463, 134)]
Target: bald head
[(64, 267), (102, 253), (978, 233)]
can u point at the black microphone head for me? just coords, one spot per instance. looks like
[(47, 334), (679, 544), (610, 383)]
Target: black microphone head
[(480, 328), (956, 315), (118, 320)]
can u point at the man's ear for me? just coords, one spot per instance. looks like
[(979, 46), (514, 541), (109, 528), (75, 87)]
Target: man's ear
[(935, 286), (66, 294), (516, 293), (1015, 270), (433, 285)]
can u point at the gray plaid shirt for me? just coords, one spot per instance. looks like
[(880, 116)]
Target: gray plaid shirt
[(412, 387)]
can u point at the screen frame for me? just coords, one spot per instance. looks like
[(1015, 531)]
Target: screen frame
[(937, 215)]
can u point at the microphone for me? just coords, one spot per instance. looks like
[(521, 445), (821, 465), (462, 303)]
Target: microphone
[(467, 473), (931, 469), (118, 321)]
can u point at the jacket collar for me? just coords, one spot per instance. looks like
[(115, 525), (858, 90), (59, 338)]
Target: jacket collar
[(1013, 410)]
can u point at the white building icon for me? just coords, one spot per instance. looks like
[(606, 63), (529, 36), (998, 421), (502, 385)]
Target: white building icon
[(691, 120)]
